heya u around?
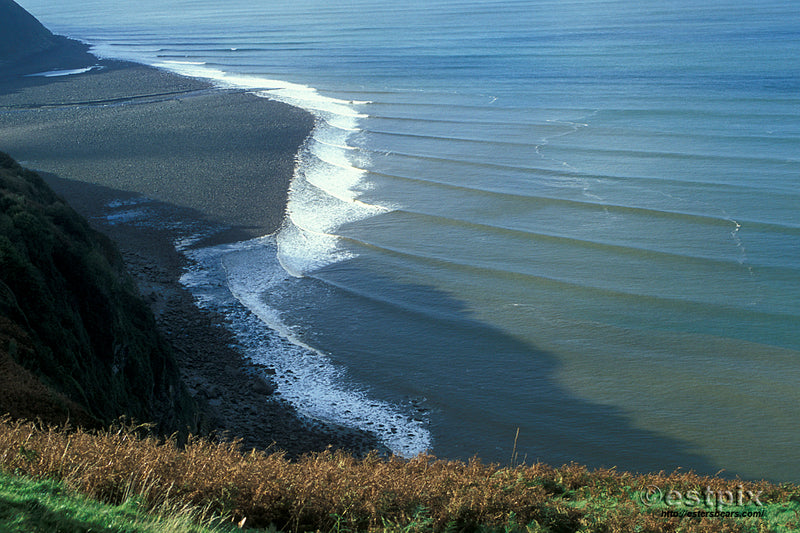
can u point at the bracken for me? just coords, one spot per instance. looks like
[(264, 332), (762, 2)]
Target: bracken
[(334, 491)]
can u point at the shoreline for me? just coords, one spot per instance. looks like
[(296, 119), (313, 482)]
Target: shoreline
[(204, 158), (141, 129)]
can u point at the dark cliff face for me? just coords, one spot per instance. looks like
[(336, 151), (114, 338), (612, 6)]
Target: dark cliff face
[(71, 319), (26, 46), (20, 33)]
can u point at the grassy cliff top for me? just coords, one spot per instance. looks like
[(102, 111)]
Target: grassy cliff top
[(332, 491)]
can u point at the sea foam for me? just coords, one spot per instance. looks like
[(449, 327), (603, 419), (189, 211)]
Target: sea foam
[(232, 278), (324, 194), (65, 72), (326, 184)]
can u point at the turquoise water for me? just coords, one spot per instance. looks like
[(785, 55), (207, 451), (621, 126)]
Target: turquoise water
[(580, 219)]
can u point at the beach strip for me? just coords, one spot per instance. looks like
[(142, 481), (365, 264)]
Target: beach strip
[(229, 154), (106, 131)]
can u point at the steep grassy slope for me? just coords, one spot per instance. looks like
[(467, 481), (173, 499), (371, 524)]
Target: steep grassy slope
[(74, 333)]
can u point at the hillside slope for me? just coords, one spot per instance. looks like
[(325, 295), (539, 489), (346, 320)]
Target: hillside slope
[(20, 33), (73, 330), (26, 46)]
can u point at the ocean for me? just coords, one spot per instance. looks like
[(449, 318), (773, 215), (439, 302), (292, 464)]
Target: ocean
[(577, 220)]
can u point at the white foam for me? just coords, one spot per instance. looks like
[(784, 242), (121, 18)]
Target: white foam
[(66, 72), (292, 93), (324, 195), (176, 62), (118, 202), (127, 216), (301, 251), (232, 279), (326, 186), (131, 52)]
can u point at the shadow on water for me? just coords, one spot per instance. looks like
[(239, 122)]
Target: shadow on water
[(474, 383)]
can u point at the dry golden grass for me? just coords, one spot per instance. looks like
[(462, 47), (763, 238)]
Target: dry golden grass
[(333, 491)]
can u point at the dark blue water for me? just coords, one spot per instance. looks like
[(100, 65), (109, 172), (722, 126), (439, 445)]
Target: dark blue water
[(580, 219)]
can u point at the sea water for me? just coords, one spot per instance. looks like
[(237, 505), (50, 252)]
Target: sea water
[(579, 219)]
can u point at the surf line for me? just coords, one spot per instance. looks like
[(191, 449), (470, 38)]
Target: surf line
[(323, 195)]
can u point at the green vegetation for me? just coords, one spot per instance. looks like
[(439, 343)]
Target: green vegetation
[(46, 506), (335, 492), (76, 340)]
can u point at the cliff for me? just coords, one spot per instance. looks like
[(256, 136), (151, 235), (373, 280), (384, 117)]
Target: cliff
[(20, 33), (76, 340), (26, 46)]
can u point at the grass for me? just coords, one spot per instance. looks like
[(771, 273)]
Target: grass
[(29, 505), (335, 492)]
